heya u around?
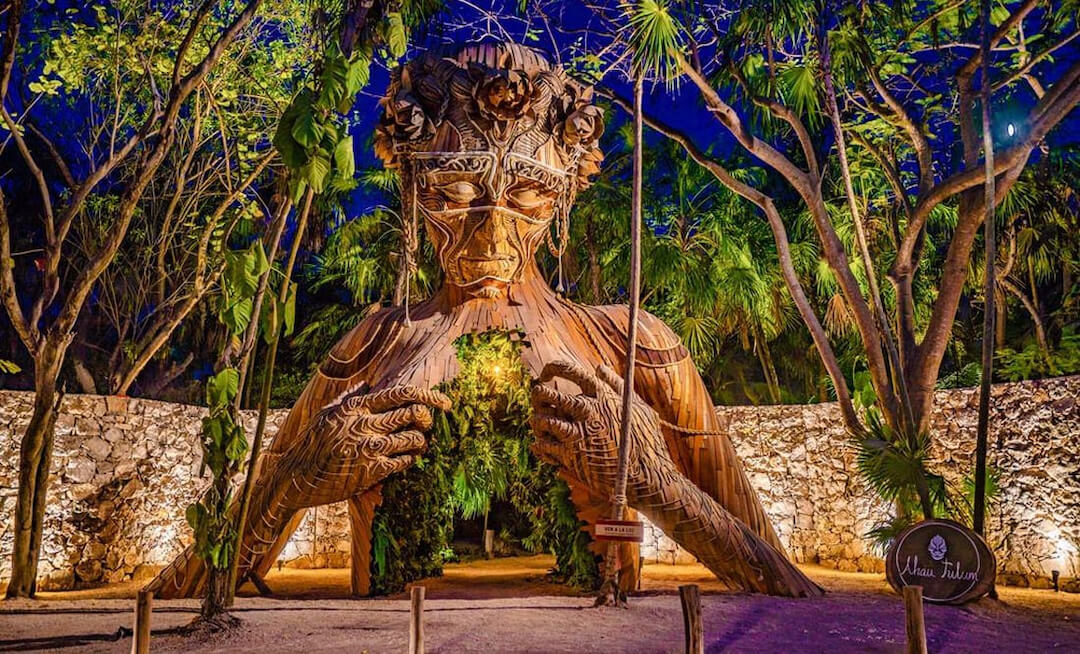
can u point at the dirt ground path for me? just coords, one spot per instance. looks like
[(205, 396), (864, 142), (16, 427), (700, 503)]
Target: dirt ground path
[(506, 605)]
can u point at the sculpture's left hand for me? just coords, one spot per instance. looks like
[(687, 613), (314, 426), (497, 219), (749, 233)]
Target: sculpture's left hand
[(580, 433)]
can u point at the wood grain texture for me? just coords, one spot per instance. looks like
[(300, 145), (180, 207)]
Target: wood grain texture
[(361, 513), (693, 627)]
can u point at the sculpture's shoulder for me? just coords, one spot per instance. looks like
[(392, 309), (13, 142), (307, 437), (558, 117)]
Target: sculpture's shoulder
[(371, 338), (657, 343)]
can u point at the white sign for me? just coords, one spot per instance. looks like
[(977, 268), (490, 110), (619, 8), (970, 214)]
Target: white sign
[(629, 531)]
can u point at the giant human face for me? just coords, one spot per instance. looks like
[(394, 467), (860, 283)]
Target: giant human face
[(493, 143), (487, 214)]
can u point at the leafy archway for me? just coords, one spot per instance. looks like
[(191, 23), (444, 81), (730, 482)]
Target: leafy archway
[(478, 453)]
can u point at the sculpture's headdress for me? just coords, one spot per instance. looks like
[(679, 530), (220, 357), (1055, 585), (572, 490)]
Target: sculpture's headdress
[(498, 96)]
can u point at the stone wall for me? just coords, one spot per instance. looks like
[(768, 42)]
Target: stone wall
[(123, 469), (122, 472), (798, 460)]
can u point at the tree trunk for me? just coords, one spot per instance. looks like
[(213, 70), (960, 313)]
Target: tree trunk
[(999, 322), (153, 388), (83, 376), (35, 458), (1033, 311), (761, 346), (215, 602)]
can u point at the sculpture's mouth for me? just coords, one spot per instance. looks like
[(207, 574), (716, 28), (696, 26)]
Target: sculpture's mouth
[(494, 268)]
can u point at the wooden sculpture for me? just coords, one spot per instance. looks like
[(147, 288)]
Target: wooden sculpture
[(492, 145)]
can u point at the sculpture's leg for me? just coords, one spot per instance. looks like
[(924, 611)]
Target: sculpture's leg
[(361, 513), (270, 556), (271, 520)]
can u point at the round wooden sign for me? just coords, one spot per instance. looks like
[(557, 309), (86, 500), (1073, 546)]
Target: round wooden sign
[(952, 563)]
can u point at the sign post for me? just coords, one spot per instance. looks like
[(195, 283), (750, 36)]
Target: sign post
[(952, 563)]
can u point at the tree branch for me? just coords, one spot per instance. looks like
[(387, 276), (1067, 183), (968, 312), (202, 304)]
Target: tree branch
[(973, 63), (787, 115), (919, 141), (27, 332), (11, 42), (783, 248), (731, 120)]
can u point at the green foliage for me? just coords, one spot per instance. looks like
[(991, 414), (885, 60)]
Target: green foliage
[(224, 447), (414, 523), (239, 282), (313, 137), (893, 466), (1031, 362), (9, 367), (478, 452), (656, 38), (965, 377)]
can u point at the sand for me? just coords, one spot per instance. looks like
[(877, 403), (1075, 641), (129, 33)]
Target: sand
[(507, 605)]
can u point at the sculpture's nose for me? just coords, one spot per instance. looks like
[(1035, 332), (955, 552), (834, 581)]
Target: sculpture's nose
[(490, 234)]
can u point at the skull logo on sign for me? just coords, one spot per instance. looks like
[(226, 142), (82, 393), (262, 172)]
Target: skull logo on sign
[(937, 548)]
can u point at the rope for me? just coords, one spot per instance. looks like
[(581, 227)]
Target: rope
[(409, 236)]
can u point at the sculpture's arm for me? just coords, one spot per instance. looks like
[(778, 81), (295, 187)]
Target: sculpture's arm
[(580, 432), (666, 378)]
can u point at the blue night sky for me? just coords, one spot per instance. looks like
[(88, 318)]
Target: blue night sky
[(680, 106)]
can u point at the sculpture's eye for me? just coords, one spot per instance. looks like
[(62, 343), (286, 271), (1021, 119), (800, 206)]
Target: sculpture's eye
[(460, 192), (527, 197)]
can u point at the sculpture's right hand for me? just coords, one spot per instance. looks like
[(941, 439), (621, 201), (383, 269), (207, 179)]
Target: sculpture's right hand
[(362, 438)]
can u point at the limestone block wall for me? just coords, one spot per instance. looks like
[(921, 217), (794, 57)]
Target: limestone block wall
[(124, 469), (798, 460), (122, 472)]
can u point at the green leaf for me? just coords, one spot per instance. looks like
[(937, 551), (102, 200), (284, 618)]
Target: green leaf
[(396, 37), (356, 78), (306, 130), (316, 170), (243, 269), (259, 263), (214, 554), (212, 431), (334, 82), (343, 158), (236, 315), (195, 515), (268, 321), (9, 367), (237, 445), (297, 187), (222, 387), (292, 152)]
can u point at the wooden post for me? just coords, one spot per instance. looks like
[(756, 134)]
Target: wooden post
[(416, 623), (690, 595), (140, 642), (489, 543), (913, 620)]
